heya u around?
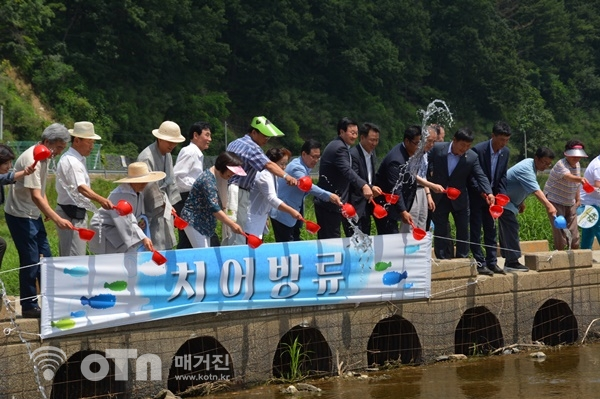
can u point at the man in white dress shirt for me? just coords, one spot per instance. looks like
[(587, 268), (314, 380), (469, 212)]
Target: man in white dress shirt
[(72, 184), (189, 166)]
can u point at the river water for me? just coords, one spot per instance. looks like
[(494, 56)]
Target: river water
[(566, 372)]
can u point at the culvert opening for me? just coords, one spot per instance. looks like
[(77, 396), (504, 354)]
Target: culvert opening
[(394, 339), (301, 351), (554, 324), (71, 379), (478, 332), (198, 361)]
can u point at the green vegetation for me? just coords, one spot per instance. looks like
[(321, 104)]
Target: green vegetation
[(127, 66), (297, 356)]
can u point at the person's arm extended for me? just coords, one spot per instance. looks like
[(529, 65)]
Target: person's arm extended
[(432, 186), (39, 199), (542, 198), (277, 171), (222, 216), (91, 194)]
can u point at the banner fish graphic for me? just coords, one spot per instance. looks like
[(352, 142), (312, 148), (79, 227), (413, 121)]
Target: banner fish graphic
[(119, 285), (393, 278), (102, 301), (78, 271), (63, 324)]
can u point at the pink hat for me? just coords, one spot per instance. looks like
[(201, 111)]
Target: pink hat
[(237, 170)]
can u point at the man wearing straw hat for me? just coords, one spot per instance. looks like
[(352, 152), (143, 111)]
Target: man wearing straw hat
[(116, 233), (23, 210), (159, 197), (248, 148), (74, 190)]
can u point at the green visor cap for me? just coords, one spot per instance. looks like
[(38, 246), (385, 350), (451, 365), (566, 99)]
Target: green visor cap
[(265, 126)]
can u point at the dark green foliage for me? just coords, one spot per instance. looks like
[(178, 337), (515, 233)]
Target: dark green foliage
[(127, 66)]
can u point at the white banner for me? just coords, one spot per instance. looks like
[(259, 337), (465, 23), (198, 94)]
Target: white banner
[(86, 293)]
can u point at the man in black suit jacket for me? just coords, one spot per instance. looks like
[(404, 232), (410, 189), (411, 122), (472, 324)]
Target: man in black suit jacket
[(363, 163), (493, 158), (392, 169), (336, 176), (452, 165)]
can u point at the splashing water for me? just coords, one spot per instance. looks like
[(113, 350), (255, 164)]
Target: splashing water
[(437, 112), (569, 238), (81, 201), (359, 240)]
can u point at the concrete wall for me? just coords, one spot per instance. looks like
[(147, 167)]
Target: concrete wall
[(252, 337)]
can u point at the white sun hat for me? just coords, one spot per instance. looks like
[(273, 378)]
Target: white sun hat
[(169, 131), (84, 130)]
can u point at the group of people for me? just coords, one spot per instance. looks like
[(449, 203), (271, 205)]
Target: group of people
[(248, 191), (476, 173)]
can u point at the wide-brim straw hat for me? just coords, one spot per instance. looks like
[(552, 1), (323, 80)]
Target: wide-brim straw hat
[(576, 151), (84, 130), (138, 172), (169, 131), (265, 126)]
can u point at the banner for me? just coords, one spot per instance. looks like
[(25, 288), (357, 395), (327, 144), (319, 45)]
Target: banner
[(86, 293)]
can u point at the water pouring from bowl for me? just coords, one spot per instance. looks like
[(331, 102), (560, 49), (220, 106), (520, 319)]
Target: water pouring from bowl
[(348, 210), (496, 211), (378, 211), (391, 198), (560, 222)]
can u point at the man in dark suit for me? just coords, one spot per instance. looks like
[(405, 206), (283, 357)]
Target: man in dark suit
[(392, 171), (493, 158), (336, 176), (363, 163), (452, 165)]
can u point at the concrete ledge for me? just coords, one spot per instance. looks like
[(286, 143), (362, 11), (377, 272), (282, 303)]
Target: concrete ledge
[(452, 269), (557, 260), (534, 246)]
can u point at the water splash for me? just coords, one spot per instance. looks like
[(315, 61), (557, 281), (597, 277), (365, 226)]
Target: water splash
[(80, 200), (437, 112), (569, 237)]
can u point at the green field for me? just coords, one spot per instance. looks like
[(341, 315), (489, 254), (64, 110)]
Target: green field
[(534, 226)]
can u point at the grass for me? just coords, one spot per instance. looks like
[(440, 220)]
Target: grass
[(534, 226), (297, 357)]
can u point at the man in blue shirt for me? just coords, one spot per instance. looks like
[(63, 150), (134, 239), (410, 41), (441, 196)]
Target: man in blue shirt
[(521, 180), (285, 227)]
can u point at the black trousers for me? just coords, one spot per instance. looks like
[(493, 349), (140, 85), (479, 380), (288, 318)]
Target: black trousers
[(330, 222), (285, 233)]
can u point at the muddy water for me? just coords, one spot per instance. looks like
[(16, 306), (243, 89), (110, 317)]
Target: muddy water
[(568, 372)]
